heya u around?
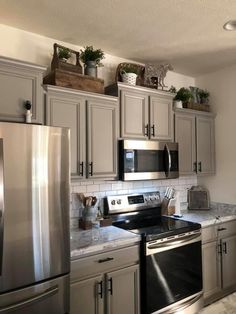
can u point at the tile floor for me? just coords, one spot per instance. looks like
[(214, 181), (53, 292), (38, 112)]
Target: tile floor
[(226, 305)]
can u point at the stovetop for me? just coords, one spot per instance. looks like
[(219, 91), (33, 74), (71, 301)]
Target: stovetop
[(141, 214), (152, 228)]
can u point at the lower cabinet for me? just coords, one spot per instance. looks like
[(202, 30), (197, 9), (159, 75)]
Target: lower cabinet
[(106, 283), (219, 260)]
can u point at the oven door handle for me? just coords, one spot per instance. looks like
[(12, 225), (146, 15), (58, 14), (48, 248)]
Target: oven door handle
[(170, 243), (184, 305)]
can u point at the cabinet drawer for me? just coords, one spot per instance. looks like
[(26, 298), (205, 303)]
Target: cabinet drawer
[(209, 234), (226, 229), (104, 262)]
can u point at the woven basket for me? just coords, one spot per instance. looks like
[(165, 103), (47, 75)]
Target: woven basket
[(129, 78), (200, 107)]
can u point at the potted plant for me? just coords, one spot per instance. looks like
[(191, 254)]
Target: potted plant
[(204, 96), (63, 54), (183, 97), (129, 73), (92, 59)]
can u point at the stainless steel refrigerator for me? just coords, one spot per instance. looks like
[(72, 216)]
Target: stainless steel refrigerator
[(34, 219)]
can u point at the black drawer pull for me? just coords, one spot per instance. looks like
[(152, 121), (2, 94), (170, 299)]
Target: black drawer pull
[(104, 260), (221, 229)]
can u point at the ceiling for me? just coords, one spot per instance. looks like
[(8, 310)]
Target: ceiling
[(186, 33)]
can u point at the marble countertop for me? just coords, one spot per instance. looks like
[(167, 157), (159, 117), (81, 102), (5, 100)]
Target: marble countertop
[(93, 241), (217, 214)]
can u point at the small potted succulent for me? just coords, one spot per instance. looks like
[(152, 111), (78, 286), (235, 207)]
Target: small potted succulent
[(204, 96), (63, 54), (183, 97), (129, 73), (92, 59)]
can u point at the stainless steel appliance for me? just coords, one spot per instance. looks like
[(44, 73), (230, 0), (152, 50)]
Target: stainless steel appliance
[(170, 254), (147, 160), (34, 219), (198, 198)]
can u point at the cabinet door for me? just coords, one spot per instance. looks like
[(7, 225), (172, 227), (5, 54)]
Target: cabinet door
[(205, 145), (20, 82), (211, 261), (134, 115), (102, 135), (67, 112), (87, 296), (228, 261), (123, 291), (161, 118), (185, 136)]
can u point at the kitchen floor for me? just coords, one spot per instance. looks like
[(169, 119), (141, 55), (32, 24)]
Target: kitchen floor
[(226, 305)]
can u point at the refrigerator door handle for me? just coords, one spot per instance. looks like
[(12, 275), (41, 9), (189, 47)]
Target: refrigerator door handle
[(1, 204), (46, 294)]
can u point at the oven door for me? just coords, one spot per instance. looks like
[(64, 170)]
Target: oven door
[(172, 274), (144, 160)]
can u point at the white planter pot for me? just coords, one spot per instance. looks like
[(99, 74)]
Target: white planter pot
[(178, 104), (129, 78)]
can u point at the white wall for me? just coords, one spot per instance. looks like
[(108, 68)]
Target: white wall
[(31, 47), (222, 88)]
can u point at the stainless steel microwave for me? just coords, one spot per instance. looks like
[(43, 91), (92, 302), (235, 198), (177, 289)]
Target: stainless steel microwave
[(147, 160)]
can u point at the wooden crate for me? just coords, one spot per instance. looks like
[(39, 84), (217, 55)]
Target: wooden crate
[(200, 107), (74, 80)]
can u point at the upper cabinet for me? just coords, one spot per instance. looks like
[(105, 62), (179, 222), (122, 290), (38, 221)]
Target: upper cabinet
[(145, 113), (20, 81), (93, 121), (194, 131)]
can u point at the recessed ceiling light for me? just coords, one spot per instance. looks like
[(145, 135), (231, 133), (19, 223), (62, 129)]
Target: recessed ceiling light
[(230, 25)]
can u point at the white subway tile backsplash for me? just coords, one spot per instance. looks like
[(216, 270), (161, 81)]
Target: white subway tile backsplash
[(100, 189)]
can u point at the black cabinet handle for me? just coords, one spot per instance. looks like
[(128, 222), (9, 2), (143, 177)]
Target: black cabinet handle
[(219, 249), (81, 170), (195, 167), (91, 168), (100, 289), (146, 132), (200, 166), (110, 289), (104, 260), (221, 229), (153, 130), (225, 247)]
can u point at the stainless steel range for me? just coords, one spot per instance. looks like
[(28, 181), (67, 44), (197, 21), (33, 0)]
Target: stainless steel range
[(170, 253)]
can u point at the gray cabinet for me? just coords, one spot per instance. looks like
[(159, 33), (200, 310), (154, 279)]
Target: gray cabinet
[(20, 81), (106, 283), (194, 131), (145, 113), (93, 121), (219, 260)]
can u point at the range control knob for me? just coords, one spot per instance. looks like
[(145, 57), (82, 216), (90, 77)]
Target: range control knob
[(118, 202), (113, 202)]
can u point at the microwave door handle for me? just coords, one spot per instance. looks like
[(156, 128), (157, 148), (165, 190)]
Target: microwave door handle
[(169, 160)]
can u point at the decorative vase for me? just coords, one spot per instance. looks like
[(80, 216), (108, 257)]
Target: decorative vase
[(129, 78), (178, 104), (90, 68)]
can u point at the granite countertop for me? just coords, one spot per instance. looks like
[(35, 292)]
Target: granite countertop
[(217, 214), (89, 242)]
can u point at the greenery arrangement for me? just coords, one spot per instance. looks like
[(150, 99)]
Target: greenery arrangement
[(64, 53), (91, 54), (203, 95), (129, 68), (184, 94), (172, 89)]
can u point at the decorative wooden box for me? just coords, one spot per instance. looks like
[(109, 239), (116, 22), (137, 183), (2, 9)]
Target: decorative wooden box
[(74, 80), (200, 107)]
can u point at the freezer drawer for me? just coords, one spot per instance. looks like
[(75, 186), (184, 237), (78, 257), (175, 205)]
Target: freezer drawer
[(48, 297)]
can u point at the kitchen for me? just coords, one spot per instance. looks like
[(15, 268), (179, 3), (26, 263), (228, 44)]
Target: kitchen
[(31, 44)]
